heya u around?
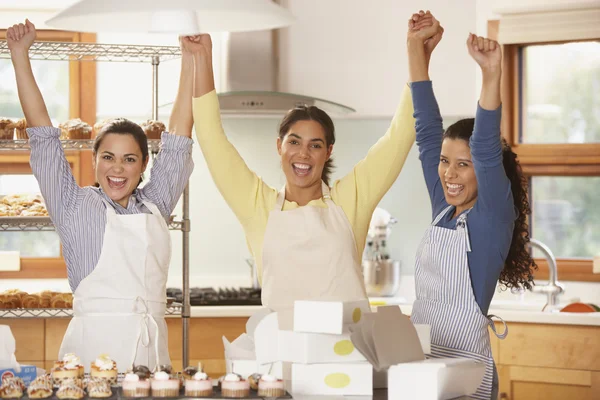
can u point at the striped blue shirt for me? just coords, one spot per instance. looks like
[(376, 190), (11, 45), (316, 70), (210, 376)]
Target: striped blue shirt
[(79, 214)]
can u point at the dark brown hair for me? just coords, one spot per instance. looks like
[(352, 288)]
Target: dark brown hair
[(311, 113), (519, 265), (122, 126)]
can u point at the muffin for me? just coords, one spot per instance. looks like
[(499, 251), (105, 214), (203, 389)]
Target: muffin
[(253, 381), (153, 129), (21, 129), (270, 386), (7, 129), (234, 386), (98, 127), (200, 385), (163, 385), (40, 388), (137, 382), (98, 388), (104, 368), (75, 129)]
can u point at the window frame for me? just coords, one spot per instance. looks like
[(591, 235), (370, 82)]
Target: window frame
[(567, 159), (82, 104)]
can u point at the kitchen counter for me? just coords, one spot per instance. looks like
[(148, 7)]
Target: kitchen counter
[(508, 314)]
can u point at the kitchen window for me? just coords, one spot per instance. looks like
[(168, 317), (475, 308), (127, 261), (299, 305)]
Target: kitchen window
[(551, 106), (69, 89)]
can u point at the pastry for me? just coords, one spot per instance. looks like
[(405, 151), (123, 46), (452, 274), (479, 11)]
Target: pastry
[(7, 129), (75, 129), (69, 368), (234, 386), (163, 385), (253, 381), (104, 368), (270, 386), (40, 388), (10, 389), (199, 385), (153, 129), (136, 385), (21, 129), (70, 391), (98, 388)]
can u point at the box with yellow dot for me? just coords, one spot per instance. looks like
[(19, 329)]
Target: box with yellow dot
[(353, 379), (333, 317), (313, 348)]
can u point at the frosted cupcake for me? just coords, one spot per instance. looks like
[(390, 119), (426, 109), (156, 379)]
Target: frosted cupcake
[(69, 368), (104, 368), (270, 386), (163, 385), (200, 385), (137, 382), (235, 387)]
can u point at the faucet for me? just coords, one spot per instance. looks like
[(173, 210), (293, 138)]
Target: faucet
[(553, 288)]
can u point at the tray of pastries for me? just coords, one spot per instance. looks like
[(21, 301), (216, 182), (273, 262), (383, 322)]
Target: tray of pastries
[(17, 299), (22, 205)]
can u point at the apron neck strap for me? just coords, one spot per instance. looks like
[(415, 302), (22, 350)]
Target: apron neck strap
[(109, 208), (152, 207), (441, 215), (326, 193)]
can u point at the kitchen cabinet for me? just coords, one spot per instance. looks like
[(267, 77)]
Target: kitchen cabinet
[(354, 52)]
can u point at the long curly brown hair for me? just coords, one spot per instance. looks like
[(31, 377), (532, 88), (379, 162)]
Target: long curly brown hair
[(519, 265)]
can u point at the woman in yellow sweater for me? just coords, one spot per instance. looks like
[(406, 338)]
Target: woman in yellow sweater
[(307, 238)]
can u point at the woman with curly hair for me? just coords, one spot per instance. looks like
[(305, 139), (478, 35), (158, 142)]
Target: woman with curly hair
[(479, 201)]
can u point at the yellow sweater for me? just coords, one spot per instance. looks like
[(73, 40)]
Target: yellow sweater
[(251, 199)]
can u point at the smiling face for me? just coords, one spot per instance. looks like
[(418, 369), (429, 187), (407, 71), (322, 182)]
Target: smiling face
[(119, 164), (303, 152), (457, 174)]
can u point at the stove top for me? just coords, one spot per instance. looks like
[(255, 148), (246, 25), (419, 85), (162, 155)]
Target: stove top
[(219, 296)]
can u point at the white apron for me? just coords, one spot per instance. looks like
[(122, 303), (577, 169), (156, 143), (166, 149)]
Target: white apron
[(445, 299), (119, 308), (309, 253)]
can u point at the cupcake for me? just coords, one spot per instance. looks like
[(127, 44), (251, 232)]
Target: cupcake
[(98, 127), (40, 388), (253, 381), (104, 368), (7, 129), (75, 129), (200, 385), (163, 385), (234, 386), (21, 129), (137, 382), (153, 129), (270, 386), (98, 388), (69, 368)]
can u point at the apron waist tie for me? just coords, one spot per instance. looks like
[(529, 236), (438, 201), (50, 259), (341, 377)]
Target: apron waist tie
[(493, 326), (143, 336)]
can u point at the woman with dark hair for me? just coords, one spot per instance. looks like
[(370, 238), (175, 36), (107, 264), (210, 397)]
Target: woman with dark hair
[(307, 239), (478, 196), (114, 236)]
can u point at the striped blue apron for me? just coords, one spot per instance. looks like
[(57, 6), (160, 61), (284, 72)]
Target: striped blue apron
[(445, 299)]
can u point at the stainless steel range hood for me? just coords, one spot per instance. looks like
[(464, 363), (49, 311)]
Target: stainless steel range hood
[(248, 74)]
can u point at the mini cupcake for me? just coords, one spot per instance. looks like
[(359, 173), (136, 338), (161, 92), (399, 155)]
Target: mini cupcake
[(69, 368), (270, 386), (200, 385), (7, 129), (104, 368), (163, 385), (21, 129), (70, 358), (153, 129), (137, 382), (98, 388), (234, 386)]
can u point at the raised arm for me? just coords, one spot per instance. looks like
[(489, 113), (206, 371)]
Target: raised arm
[(19, 38), (421, 41), (47, 159), (173, 165), (236, 182), (493, 186)]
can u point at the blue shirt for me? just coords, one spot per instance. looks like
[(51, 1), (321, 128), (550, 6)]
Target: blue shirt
[(491, 220)]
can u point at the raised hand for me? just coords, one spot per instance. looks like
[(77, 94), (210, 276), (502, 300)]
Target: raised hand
[(422, 26), (20, 37), (486, 52), (199, 45)]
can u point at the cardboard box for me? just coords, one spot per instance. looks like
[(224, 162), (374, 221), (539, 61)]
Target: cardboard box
[(28, 373), (245, 368), (436, 378), (317, 348), (334, 317), (332, 379)]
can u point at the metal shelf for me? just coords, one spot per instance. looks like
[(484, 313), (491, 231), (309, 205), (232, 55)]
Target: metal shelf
[(83, 144), (173, 309), (45, 224), (70, 51)]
